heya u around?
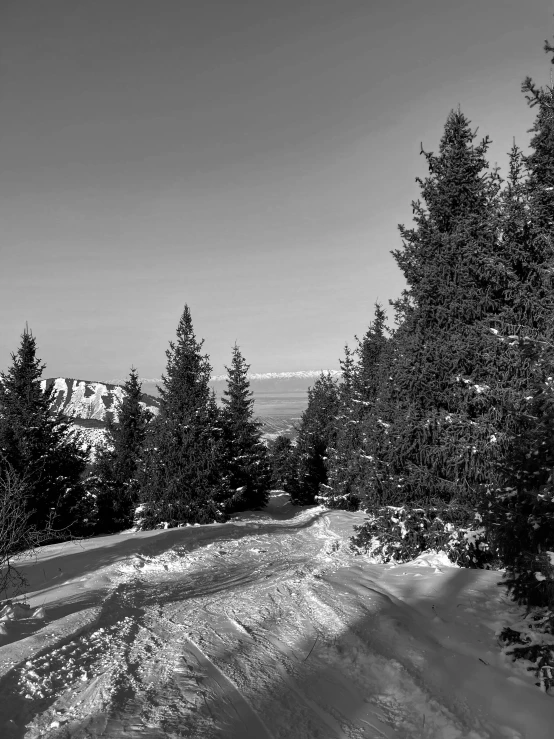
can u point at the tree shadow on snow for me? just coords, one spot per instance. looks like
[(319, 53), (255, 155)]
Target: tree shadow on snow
[(377, 652)]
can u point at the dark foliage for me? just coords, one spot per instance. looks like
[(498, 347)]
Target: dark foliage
[(521, 510), (455, 420), (281, 459), (181, 478), (520, 513), (433, 423), (527, 643), (246, 458), (400, 534), (116, 468), (42, 449), (316, 436), (363, 376)]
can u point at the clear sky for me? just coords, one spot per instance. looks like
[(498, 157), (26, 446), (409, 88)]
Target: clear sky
[(251, 158)]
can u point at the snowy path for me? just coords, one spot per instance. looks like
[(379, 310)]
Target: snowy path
[(263, 628)]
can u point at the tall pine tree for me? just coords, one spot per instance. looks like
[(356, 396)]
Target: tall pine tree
[(316, 436), (521, 511), (117, 464), (42, 449), (281, 459), (363, 376), (433, 423), (182, 476), (247, 461)]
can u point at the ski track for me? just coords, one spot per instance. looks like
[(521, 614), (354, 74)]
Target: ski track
[(266, 628)]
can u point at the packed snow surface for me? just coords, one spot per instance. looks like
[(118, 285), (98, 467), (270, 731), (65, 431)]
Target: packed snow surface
[(265, 627)]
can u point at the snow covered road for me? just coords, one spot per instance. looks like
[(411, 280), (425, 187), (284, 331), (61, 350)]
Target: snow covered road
[(263, 628)]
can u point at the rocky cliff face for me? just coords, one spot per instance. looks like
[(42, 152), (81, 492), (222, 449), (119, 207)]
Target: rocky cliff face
[(90, 401)]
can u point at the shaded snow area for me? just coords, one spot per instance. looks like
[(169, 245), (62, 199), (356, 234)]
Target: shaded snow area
[(263, 627)]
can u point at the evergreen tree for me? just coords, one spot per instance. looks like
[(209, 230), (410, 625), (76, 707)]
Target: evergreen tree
[(182, 476), (371, 349), (433, 423), (349, 371), (466, 416), (316, 436), (41, 449), (362, 380), (185, 390), (280, 455), (249, 472), (117, 464), (540, 163), (521, 511)]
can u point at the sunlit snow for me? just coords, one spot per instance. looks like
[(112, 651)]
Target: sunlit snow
[(264, 627)]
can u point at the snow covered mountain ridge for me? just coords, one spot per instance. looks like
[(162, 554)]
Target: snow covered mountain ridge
[(92, 401)]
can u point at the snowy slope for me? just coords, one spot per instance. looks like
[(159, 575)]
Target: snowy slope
[(266, 627), (89, 400), (91, 436)]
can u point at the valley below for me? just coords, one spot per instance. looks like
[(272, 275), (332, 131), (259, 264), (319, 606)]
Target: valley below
[(278, 402)]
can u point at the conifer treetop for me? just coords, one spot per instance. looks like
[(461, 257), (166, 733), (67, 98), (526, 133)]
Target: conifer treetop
[(37, 445), (21, 383), (238, 400), (449, 248), (454, 189), (540, 162), (184, 389), (370, 349), (133, 417)]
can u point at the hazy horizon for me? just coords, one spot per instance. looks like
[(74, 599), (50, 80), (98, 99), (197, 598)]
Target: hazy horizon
[(251, 159)]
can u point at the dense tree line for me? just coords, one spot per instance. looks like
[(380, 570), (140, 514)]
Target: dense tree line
[(450, 414), (194, 462)]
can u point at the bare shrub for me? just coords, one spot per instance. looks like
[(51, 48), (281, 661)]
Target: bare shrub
[(17, 536)]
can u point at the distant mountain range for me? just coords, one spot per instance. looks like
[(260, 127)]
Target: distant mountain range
[(269, 382)]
